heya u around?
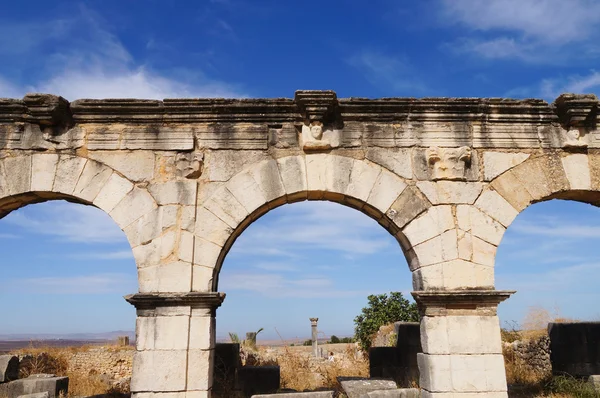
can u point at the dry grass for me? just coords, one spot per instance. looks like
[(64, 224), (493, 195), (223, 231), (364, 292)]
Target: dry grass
[(55, 360), (301, 372)]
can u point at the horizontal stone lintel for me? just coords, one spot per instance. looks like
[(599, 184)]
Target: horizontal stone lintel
[(460, 302), (41, 106), (149, 301)]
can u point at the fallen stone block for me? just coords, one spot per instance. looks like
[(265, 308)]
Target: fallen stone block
[(51, 384), (36, 395), (255, 380), (310, 394), (594, 380), (397, 393), (9, 368), (357, 387)]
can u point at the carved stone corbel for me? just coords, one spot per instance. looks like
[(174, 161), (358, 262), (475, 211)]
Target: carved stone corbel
[(318, 108), (448, 163), (577, 115)]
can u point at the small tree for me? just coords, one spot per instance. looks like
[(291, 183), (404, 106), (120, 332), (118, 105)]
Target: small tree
[(334, 339), (381, 310)]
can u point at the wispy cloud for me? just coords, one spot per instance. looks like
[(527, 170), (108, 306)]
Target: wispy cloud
[(67, 222), (532, 30), (314, 226), (388, 71), (550, 88), (106, 255), (278, 286), (93, 63), (85, 284)]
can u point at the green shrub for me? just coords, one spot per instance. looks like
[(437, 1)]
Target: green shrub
[(381, 310), (572, 387)]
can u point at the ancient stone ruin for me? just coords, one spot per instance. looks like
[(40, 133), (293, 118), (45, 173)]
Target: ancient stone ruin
[(33, 386), (184, 177)]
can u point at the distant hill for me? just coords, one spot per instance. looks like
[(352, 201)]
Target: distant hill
[(102, 336)]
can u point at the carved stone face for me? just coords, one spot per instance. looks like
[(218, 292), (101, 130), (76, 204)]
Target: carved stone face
[(575, 137), (316, 131), (189, 165), (448, 163)]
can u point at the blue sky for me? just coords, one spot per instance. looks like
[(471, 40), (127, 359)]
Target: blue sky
[(65, 267)]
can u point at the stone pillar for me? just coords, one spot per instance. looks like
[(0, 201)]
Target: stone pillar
[(314, 336), (175, 340), (462, 349)]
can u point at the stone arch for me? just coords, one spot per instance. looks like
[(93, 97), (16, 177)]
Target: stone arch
[(35, 178), (554, 175), (357, 183)]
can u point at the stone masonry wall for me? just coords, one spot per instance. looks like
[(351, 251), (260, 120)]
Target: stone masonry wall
[(116, 364)]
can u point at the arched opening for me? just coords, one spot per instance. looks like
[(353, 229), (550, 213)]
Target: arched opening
[(548, 255), (312, 259), (66, 266)]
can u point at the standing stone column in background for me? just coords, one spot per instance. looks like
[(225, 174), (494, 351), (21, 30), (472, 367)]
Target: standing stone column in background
[(175, 341), (462, 349), (313, 327)]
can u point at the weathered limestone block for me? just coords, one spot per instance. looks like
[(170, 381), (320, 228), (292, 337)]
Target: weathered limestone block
[(151, 225), (462, 373), (68, 170), (407, 206), (159, 371), (136, 166), (356, 387), (577, 170), (362, 179), (17, 174), (398, 161), (222, 165), (52, 385), (211, 228), (36, 395), (434, 221), (92, 179), (397, 393), (203, 278), (327, 173), (293, 176), (318, 138), (462, 334), (226, 207), (9, 368), (496, 163), (174, 192), (308, 394), (266, 174), (43, 170), (202, 329), (387, 192), (137, 203), (496, 207), (443, 247), (513, 190), (113, 191), (247, 191), (441, 192), (453, 274)]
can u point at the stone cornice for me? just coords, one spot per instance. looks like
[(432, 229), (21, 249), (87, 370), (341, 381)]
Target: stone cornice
[(460, 302), (149, 301), (45, 108)]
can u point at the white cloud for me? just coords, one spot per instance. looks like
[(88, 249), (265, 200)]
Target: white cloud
[(67, 222), (106, 255), (94, 63), (390, 72), (558, 229), (84, 284), (277, 286), (531, 30), (552, 21), (315, 226)]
